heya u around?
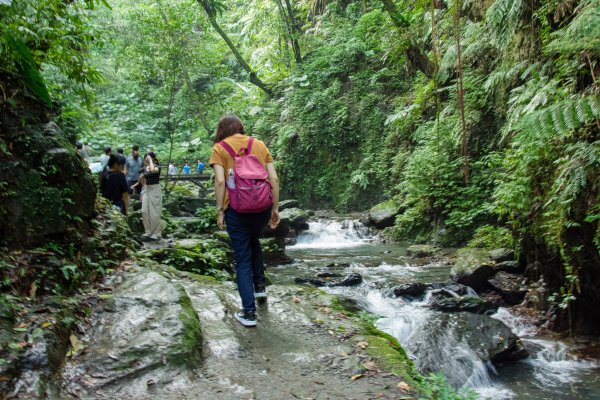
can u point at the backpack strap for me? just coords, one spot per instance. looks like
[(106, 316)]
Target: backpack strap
[(227, 147)]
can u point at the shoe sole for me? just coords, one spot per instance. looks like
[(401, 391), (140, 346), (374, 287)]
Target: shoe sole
[(260, 295), (245, 322)]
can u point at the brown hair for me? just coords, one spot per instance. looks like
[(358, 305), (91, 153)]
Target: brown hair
[(229, 125)]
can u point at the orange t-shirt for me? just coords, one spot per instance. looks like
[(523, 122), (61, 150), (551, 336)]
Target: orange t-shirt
[(237, 142)]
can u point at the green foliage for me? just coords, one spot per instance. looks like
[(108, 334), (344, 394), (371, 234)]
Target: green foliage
[(434, 387), (491, 237), (206, 221)]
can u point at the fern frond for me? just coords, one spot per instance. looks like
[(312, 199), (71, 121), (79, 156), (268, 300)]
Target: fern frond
[(583, 33), (502, 19), (560, 119)]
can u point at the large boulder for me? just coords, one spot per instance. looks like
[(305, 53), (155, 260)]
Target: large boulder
[(447, 301), (149, 329), (461, 332), (510, 286), (285, 204), (273, 253), (45, 185), (473, 267), (502, 254), (349, 280), (383, 215), (193, 204), (420, 251), (298, 218), (410, 289)]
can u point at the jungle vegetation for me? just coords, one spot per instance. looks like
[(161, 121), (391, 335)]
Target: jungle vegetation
[(480, 118)]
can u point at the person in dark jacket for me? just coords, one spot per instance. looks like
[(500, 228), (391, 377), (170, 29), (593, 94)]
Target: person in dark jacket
[(114, 184)]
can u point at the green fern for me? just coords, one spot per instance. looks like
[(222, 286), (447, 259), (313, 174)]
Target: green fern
[(502, 19), (581, 34), (561, 118)]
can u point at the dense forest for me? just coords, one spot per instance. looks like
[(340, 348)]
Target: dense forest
[(478, 121)]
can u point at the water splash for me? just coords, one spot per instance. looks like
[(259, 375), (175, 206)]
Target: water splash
[(332, 234)]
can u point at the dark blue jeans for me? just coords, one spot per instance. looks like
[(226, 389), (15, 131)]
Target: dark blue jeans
[(244, 231)]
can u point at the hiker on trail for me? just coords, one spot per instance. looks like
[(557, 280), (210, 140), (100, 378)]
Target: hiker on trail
[(104, 157), (133, 165), (152, 203), (245, 217), (186, 169), (172, 169), (114, 184), (200, 167)]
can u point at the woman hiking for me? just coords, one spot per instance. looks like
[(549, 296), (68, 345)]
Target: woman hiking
[(247, 193), (152, 200)]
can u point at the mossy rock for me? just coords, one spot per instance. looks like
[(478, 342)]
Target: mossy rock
[(420, 251), (134, 220), (473, 267), (384, 214)]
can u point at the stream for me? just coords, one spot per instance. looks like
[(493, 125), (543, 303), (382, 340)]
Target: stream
[(550, 371)]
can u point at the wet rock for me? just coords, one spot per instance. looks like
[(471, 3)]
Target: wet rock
[(491, 340), (502, 254), (383, 215), (148, 329), (273, 253), (537, 296), (473, 267), (510, 266), (350, 280), (337, 265), (172, 206), (298, 218), (447, 301), (410, 289), (281, 232), (328, 275), (193, 204), (285, 204), (509, 286), (420, 251)]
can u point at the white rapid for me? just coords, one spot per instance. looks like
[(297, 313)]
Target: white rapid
[(332, 234), (430, 337)]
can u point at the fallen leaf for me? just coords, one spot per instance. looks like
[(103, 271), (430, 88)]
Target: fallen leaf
[(357, 376), (46, 324), (330, 332), (325, 309), (404, 386), (296, 299), (362, 345), (370, 365), (32, 290)]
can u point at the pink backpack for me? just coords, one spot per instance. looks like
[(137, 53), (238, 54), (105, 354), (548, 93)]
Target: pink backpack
[(248, 185)]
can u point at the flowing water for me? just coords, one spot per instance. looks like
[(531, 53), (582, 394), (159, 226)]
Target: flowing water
[(344, 246)]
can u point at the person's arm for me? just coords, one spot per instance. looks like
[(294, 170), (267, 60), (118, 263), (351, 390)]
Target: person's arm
[(274, 180), (220, 194), (151, 166), (125, 198)]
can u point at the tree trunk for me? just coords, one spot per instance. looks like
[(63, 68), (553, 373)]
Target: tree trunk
[(252, 77), (295, 31), (461, 97), (414, 53)]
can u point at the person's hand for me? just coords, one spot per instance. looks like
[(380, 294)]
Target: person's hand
[(221, 220), (274, 221)]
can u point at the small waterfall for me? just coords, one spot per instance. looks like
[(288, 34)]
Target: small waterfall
[(327, 234), (550, 360), (416, 328)]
